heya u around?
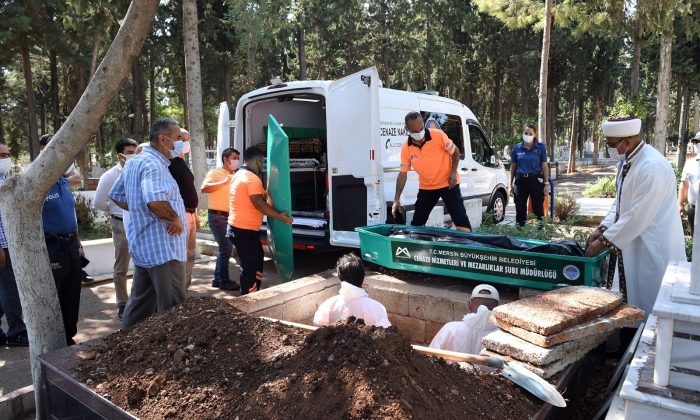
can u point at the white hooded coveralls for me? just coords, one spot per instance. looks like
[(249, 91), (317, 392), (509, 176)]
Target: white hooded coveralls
[(351, 301)]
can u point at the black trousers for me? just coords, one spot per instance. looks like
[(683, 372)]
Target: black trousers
[(251, 257), (691, 219), (67, 274), (451, 197), (528, 187)]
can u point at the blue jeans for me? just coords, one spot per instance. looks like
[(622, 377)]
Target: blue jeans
[(9, 298), (218, 223)]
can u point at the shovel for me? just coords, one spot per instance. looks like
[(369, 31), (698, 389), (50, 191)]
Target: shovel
[(516, 374)]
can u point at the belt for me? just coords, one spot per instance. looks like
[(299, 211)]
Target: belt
[(54, 237), (223, 213), (117, 218), (191, 210), (531, 174)]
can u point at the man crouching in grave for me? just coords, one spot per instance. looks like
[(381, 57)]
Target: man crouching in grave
[(352, 300), (465, 336)]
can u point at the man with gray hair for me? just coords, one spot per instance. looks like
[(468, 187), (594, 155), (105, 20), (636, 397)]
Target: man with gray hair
[(155, 231)]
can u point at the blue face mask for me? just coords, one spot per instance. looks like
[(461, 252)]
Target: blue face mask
[(179, 145)]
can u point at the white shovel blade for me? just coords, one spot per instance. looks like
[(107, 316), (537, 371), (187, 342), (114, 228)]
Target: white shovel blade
[(533, 383)]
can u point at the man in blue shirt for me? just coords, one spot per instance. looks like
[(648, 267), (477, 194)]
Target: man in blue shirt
[(529, 175), (9, 296), (63, 245), (155, 232)]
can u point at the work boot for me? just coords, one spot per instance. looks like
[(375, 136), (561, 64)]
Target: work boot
[(230, 285), (120, 314), (215, 284), (19, 340)]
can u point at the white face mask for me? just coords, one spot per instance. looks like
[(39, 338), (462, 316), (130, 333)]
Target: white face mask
[(696, 148), (235, 164), (527, 138), (417, 136), (616, 155), (185, 147), (5, 166)]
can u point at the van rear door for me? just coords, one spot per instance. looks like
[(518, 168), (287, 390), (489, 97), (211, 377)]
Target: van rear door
[(352, 119)]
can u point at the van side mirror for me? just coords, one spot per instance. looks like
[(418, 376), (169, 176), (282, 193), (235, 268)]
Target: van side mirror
[(493, 160)]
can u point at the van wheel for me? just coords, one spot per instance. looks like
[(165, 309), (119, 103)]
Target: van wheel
[(498, 207)]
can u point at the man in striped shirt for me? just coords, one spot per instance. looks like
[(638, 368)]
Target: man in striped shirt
[(155, 232)]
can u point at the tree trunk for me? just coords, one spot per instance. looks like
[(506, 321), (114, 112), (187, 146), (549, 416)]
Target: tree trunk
[(31, 102), (99, 143), (152, 93), (55, 114), (696, 104), (636, 55), (544, 66), (23, 196), (683, 126), (138, 101), (551, 113), (195, 121), (497, 97), (596, 127), (302, 48), (573, 140), (663, 89)]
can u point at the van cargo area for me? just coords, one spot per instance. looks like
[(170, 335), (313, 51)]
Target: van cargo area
[(303, 119)]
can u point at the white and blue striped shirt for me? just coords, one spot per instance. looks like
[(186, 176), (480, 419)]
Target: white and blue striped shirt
[(3, 239), (146, 179)]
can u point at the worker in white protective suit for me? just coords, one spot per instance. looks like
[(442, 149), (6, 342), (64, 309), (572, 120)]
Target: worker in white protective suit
[(465, 336), (352, 300), (643, 229)]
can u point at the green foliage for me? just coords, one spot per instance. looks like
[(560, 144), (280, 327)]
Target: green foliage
[(677, 171), (605, 187), (97, 230), (534, 229), (84, 211), (202, 214), (565, 207), (689, 248), (625, 107)]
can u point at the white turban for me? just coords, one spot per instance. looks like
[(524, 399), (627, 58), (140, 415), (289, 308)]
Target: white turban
[(622, 128)]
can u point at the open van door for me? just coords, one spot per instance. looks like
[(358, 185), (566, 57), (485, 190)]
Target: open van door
[(352, 115)]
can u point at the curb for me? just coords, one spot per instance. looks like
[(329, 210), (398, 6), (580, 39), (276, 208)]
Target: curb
[(18, 403)]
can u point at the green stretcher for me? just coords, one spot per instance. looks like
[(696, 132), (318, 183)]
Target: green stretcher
[(483, 264), (279, 234)]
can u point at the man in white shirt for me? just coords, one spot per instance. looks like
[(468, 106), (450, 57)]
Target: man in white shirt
[(465, 336), (126, 148), (643, 229), (690, 184), (352, 300)]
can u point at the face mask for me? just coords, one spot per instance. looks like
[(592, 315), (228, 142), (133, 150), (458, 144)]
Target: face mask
[(528, 138), (129, 157), (186, 147), (696, 148), (234, 164), (417, 136), (5, 166), (616, 155), (178, 144)]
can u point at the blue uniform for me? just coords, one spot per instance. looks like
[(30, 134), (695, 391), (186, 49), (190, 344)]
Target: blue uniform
[(58, 214), (529, 161)]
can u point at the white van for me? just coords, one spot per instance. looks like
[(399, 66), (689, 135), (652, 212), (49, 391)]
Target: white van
[(345, 145)]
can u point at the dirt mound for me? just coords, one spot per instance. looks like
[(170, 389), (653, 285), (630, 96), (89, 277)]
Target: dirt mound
[(206, 360)]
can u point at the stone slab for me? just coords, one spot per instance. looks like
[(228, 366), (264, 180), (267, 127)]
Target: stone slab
[(519, 349), (412, 328), (664, 307), (429, 308), (559, 309), (681, 287), (547, 371), (622, 316)]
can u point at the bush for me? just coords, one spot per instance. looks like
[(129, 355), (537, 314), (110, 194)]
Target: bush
[(203, 216), (689, 248), (97, 230), (603, 188), (543, 231), (565, 207), (84, 211)]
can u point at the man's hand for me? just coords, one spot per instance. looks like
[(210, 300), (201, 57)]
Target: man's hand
[(510, 191), (681, 209), (396, 209), (286, 219), (3, 261), (595, 248), (175, 228), (452, 181), (547, 189), (594, 236)]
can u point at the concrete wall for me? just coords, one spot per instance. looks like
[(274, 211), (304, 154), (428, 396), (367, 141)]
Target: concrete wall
[(100, 252), (417, 311)]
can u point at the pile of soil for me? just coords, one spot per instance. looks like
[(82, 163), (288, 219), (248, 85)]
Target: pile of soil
[(204, 359)]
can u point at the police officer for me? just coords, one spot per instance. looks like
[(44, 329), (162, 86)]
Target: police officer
[(529, 175), (434, 157), (63, 245)]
